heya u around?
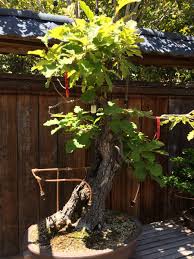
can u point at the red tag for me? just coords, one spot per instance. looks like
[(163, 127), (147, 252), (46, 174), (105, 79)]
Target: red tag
[(157, 134), (66, 84)]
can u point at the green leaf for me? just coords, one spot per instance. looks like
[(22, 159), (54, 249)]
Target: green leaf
[(190, 136), (88, 96), (115, 126), (149, 156), (174, 123), (162, 152), (88, 118), (51, 122), (122, 3), (38, 52), (72, 145), (98, 118), (44, 39), (155, 169), (126, 126), (154, 144), (86, 67), (135, 156), (55, 130), (112, 109), (78, 109), (108, 81), (139, 171), (59, 32), (47, 84), (49, 70), (88, 12), (58, 115), (73, 79), (67, 60), (124, 67), (84, 139)]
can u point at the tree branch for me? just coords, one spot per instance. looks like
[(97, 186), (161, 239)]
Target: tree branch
[(68, 2), (132, 9)]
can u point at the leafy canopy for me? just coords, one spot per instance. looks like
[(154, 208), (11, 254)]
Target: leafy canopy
[(165, 15), (92, 52)]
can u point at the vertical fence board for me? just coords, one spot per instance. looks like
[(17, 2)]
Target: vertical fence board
[(8, 177), (47, 156), (27, 116)]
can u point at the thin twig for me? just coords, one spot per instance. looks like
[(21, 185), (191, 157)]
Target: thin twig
[(53, 106), (64, 98), (58, 91), (61, 83), (3, 3)]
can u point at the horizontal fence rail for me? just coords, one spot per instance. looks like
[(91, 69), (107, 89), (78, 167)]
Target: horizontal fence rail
[(27, 144)]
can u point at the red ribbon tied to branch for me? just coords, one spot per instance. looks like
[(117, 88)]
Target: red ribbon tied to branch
[(157, 134), (66, 84)]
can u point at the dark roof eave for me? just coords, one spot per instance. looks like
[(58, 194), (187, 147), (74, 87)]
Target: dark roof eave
[(27, 26)]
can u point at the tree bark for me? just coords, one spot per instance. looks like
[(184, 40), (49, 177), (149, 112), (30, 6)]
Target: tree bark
[(79, 212)]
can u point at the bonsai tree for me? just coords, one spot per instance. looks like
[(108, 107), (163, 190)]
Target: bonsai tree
[(91, 53)]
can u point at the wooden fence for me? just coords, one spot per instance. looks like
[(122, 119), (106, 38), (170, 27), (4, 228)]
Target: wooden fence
[(26, 144)]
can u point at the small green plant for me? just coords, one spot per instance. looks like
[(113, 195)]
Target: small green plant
[(182, 177)]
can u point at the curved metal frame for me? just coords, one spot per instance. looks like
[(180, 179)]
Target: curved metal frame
[(57, 180)]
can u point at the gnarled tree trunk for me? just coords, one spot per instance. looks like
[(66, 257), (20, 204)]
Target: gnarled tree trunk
[(79, 212)]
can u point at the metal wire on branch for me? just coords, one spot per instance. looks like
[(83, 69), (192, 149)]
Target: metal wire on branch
[(58, 180)]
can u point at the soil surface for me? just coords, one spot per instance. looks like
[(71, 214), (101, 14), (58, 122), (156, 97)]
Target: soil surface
[(117, 231)]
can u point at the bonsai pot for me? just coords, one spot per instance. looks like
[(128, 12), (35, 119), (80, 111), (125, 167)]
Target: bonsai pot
[(124, 251), (188, 215)]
